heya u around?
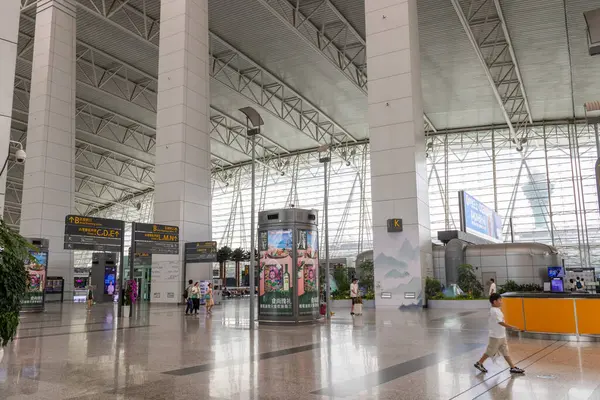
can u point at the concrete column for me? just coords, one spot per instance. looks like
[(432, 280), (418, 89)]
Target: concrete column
[(49, 180), (9, 36), (398, 169), (182, 182)]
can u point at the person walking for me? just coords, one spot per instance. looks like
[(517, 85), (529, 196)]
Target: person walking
[(353, 294), (90, 297), (195, 295), (497, 337), (209, 299), (492, 287), (187, 295)]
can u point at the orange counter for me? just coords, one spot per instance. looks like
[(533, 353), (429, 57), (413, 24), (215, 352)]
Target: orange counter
[(550, 313)]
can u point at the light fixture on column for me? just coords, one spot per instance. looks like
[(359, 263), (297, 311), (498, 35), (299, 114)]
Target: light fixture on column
[(254, 118)]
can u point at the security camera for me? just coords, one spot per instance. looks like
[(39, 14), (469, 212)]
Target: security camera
[(20, 155)]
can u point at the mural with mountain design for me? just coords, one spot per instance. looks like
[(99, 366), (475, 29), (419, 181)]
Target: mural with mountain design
[(399, 272)]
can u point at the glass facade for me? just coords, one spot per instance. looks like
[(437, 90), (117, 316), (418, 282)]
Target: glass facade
[(544, 182)]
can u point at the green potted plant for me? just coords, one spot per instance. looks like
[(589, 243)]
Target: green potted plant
[(13, 281), (223, 254), (468, 282)]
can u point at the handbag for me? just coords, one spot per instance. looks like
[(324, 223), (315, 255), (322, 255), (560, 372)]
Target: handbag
[(207, 296)]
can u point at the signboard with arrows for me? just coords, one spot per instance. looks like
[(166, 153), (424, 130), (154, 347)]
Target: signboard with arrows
[(198, 252), (155, 238), (89, 233)]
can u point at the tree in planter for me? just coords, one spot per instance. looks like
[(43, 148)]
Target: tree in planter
[(223, 254), (468, 282), (238, 255), (366, 276), (13, 280), (340, 275)]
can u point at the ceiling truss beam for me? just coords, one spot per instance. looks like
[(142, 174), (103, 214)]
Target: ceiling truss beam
[(483, 22), (278, 98), (338, 42)]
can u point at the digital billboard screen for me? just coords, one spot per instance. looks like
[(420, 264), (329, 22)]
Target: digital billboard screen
[(478, 219)]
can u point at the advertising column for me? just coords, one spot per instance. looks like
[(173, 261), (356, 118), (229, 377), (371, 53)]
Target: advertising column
[(36, 281), (275, 283), (308, 272)]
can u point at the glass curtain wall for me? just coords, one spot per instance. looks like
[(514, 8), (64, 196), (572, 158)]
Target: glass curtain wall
[(544, 183)]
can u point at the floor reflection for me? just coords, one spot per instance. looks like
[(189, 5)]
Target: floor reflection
[(69, 353)]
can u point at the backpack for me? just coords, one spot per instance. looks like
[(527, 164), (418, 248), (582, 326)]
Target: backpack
[(185, 293)]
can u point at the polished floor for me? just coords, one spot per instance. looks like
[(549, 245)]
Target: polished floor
[(68, 353)]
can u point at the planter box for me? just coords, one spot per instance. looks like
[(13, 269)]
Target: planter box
[(459, 304), (337, 304)]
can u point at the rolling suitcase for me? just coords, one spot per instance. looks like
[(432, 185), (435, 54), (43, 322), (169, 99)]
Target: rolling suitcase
[(358, 309)]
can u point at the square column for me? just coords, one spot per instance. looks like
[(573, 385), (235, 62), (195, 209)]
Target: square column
[(49, 180), (182, 181), (9, 37), (398, 168)]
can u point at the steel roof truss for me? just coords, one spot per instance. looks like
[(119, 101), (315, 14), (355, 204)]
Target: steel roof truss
[(244, 82), (485, 26)]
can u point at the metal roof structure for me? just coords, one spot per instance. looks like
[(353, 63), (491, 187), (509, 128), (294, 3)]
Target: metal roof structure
[(302, 64)]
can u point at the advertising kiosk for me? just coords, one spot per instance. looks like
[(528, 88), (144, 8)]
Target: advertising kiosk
[(288, 276), (37, 268)]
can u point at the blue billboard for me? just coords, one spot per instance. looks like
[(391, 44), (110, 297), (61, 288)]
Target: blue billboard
[(478, 219)]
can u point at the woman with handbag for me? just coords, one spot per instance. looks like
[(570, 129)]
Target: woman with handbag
[(187, 296), (209, 299), (195, 295)]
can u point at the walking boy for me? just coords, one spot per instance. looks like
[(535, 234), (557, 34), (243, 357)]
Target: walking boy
[(497, 341)]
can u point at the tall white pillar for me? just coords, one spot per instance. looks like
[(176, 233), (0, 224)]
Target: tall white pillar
[(49, 180), (398, 169), (182, 182), (9, 37)]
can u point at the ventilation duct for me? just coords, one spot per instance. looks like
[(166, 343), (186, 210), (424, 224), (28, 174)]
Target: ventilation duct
[(592, 19)]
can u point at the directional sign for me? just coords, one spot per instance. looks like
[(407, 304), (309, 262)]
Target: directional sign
[(92, 222), (158, 247), (157, 228), (201, 252), (89, 233), (95, 232), (91, 240), (156, 238)]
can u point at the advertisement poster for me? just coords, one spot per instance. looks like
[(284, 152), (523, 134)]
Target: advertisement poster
[(308, 273), (275, 283), (481, 220), (36, 279), (109, 280)]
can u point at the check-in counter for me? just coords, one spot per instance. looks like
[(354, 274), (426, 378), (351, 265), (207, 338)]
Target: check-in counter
[(570, 316)]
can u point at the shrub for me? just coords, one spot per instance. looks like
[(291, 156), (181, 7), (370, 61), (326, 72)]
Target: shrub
[(509, 286), (433, 287), (468, 282), (512, 286)]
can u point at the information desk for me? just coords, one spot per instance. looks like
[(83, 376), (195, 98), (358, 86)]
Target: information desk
[(570, 316)]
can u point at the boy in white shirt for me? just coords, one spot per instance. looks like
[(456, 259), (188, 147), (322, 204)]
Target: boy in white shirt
[(497, 341)]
